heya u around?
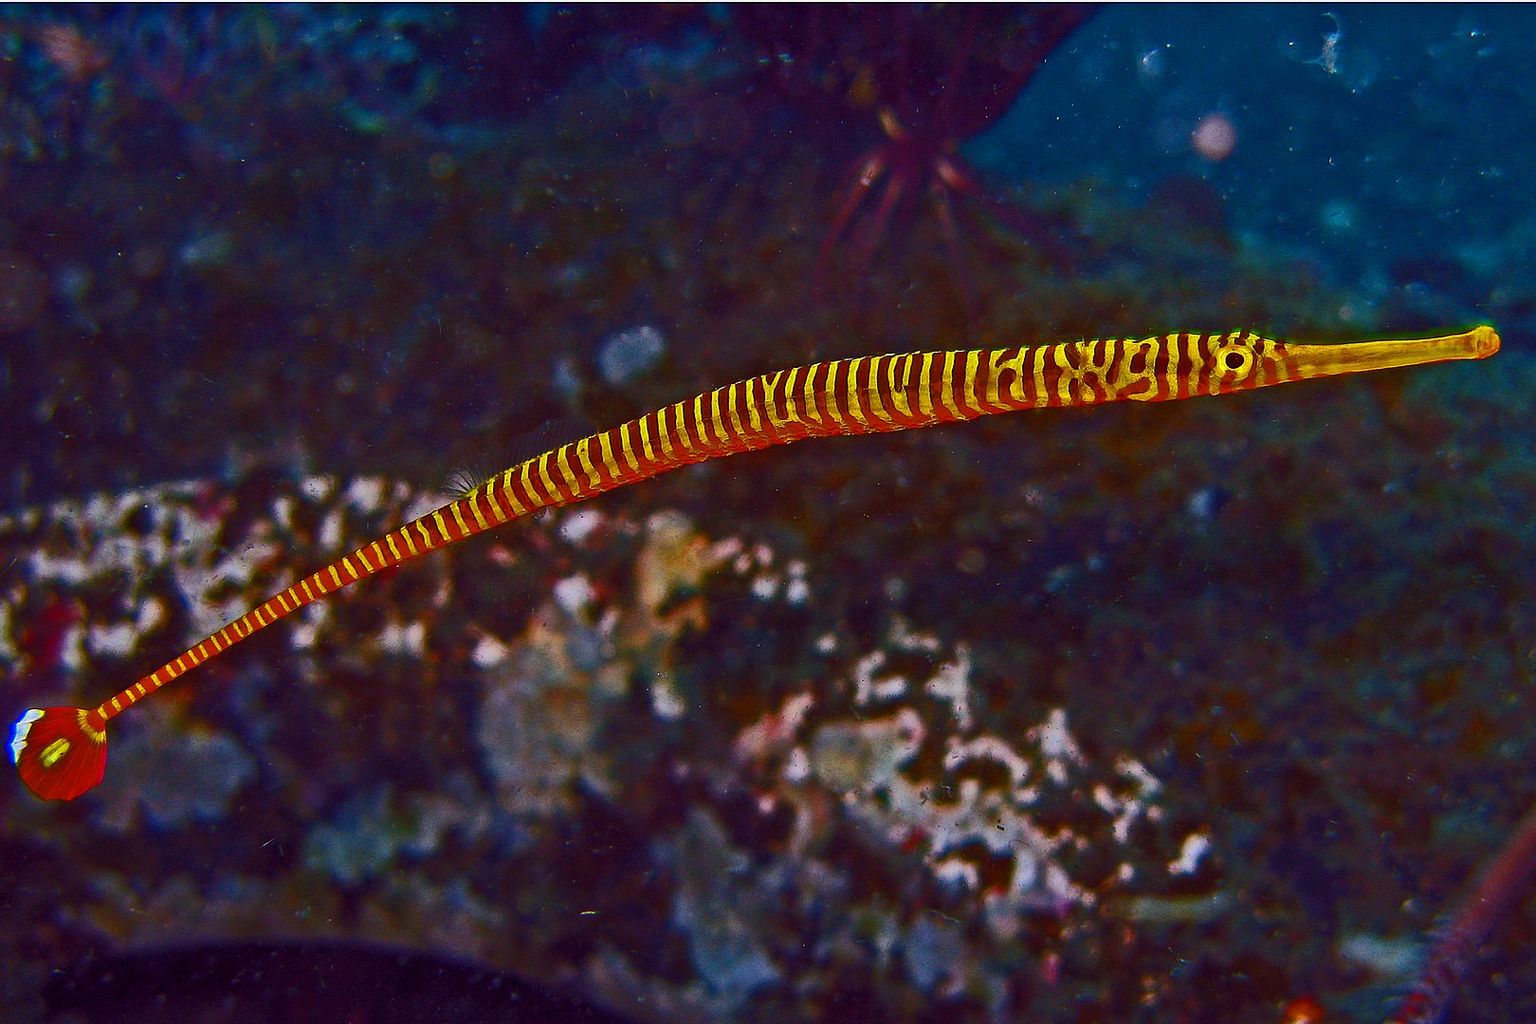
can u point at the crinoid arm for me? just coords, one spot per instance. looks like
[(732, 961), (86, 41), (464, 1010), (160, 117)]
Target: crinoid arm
[(59, 752)]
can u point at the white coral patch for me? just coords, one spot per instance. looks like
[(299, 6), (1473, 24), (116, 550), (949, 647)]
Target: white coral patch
[(1056, 745), (1195, 847), (489, 651), (952, 683), (990, 748), (366, 494), (574, 593), (408, 638), (317, 488), (118, 640), (578, 526)]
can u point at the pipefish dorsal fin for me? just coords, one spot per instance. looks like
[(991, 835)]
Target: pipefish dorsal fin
[(474, 473)]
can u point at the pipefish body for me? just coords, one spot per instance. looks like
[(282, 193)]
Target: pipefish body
[(62, 752)]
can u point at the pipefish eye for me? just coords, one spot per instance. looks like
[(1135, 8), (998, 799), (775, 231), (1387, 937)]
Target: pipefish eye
[(1235, 360)]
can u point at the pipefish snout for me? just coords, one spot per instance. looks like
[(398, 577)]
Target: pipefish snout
[(61, 752)]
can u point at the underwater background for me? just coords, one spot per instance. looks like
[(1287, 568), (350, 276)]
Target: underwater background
[(1203, 711)]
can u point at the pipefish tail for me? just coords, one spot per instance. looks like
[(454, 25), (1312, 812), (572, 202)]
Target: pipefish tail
[(62, 752)]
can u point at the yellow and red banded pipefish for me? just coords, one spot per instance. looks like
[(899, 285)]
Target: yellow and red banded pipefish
[(61, 752)]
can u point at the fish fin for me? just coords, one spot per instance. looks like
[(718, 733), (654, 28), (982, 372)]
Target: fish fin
[(58, 752)]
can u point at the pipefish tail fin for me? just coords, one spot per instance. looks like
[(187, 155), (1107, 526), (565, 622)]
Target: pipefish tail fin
[(60, 752)]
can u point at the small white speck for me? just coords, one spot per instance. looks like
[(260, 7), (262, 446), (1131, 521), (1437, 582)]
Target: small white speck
[(366, 494), (574, 593), (489, 651), (330, 531), (118, 640), (1196, 844), (318, 488), (579, 525)]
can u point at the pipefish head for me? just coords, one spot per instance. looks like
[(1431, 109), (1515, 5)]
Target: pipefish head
[(1242, 360)]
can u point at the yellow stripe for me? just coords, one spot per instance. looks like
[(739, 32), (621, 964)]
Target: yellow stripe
[(335, 574), (426, 536), (898, 389), (346, 564), (474, 509), (526, 471), (645, 439), (441, 524), (115, 707), (583, 450), (1282, 372), (972, 366), (730, 402), (179, 665), (877, 407), (714, 417), (700, 422), (389, 540), (854, 409), (458, 516), (791, 414), (378, 554), (812, 414), (925, 387), (224, 632), (680, 424), (628, 447), (563, 463), (661, 432), (754, 416), (769, 381), (282, 602), (829, 389), (608, 461), (553, 491), (1195, 363), (497, 512), (947, 386), (139, 686), (510, 495)]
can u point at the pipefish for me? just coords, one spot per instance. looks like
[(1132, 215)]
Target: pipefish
[(61, 752)]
